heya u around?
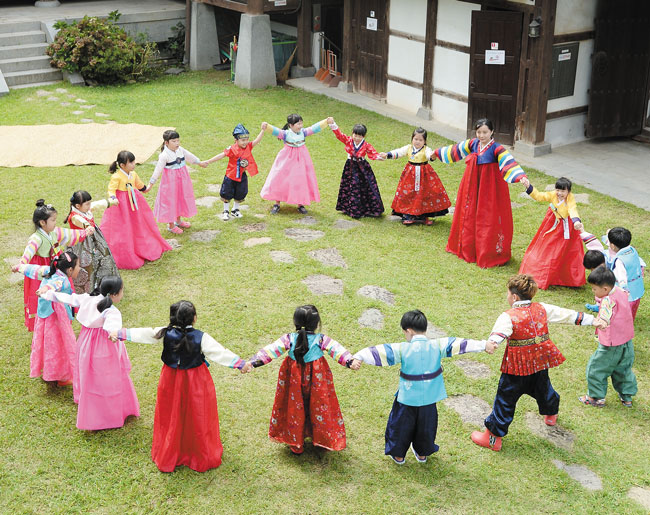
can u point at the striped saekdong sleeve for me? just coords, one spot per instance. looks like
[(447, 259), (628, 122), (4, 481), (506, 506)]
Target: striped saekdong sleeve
[(336, 351), (275, 131), (385, 355), (510, 169), (271, 351), (315, 129), (453, 153), (33, 244), (69, 237), (606, 310), (452, 346)]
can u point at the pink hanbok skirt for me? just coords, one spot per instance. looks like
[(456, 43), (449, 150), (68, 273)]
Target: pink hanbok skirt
[(53, 347), (292, 178), (132, 236), (105, 391), (175, 196)]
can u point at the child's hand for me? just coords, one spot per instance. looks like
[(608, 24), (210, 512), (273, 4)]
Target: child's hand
[(90, 230), (526, 182), (490, 347), (578, 226), (148, 188), (40, 292), (264, 126), (203, 164), (600, 324), (247, 368), (356, 364), (330, 120), (112, 201), (383, 155), (14, 268), (113, 336)]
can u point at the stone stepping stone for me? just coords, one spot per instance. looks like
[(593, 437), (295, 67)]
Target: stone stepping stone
[(581, 474), (53, 99), (473, 369), (371, 318), (328, 257), (281, 256), (394, 218), (259, 215), (434, 332), (28, 99), (61, 90), (205, 236), (102, 115), (526, 196), (87, 106), (640, 495), (80, 101), (557, 435), (472, 410), (516, 205), (174, 243), (377, 293), (260, 226), (582, 198), (213, 188), (78, 112), (86, 120), (300, 234), (244, 207), (42, 93), (65, 104), (206, 201), (323, 285), (306, 220), (452, 209), (251, 242), (346, 224)]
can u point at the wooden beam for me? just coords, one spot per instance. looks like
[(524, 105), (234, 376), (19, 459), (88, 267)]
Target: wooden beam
[(406, 82), (452, 46), (304, 34), (571, 111), (574, 36), (226, 4), (406, 35), (451, 94), (429, 53)]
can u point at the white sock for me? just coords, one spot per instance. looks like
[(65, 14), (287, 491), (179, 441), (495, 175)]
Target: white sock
[(235, 205), (226, 206)]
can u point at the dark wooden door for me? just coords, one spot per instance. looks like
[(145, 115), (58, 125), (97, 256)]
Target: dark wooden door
[(493, 87), (619, 69), (369, 52)]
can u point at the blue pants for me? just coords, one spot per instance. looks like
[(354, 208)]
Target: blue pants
[(408, 425), (511, 387)]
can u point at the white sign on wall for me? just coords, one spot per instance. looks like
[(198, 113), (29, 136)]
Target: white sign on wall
[(494, 46), (280, 2), (495, 57), (371, 23)]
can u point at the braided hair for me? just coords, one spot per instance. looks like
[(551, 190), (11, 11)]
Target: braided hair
[(181, 315), (307, 320)]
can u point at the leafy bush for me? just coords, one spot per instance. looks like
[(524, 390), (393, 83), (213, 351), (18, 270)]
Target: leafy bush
[(100, 50), (175, 44)]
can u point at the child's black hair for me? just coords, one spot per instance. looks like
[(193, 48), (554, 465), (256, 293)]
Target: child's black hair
[(523, 286), (593, 259), (484, 121), (307, 320), (291, 119), (361, 129), (422, 132), (181, 317), (563, 184), (167, 135), (620, 237), (122, 158), (602, 276), (63, 262), (414, 320), (42, 213), (78, 197), (110, 285)]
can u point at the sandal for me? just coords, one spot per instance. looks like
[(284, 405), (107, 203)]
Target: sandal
[(597, 403), (420, 459), (627, 404), (398, 461)]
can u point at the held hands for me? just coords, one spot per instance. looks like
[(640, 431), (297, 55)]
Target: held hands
[(41, 291), (383, 155), (600, 324), (356, 364), (526, 182), (247, 368), (90, 230), (264, 126), (113, 336), (148, 188), (578, 226), (330, 120), (490, 347), (203, 164), (15, 268)]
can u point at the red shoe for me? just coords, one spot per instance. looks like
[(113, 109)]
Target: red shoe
[(487, 439), (550, 420), (296, 450), (64, 383), (427, 221)]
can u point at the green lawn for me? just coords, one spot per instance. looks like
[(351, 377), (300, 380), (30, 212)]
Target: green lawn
[(245, 300)]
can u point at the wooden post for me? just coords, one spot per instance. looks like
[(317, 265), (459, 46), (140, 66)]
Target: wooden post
[(429, 51), (255, 7), (304, 34), (188, 19)]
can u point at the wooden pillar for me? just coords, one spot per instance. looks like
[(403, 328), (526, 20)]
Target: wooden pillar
[(255, 7), (429, 51), (188, 19), (346, 58), (304, 34)]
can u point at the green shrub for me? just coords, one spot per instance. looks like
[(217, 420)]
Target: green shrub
[(100, 50)]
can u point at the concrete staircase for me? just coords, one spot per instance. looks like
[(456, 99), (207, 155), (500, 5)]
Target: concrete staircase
[(23, 61)]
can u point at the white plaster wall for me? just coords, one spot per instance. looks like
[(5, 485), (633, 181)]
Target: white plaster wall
[(408, 16), (580, 95), (406, 97), (455, 21), (574, 16), (451, 70), (563, 131), (450, 111), (406, 58)]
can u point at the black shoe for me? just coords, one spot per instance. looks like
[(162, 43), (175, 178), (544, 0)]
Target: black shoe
[(275, 209), (302, 210)]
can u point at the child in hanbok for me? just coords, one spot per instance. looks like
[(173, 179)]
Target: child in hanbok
[(45, 244), (358, 194), (175, 197), (554, 256), (420, 193), (305, 400), (186, 423), (53, 343), (102, 388), (481, 230), (240, 164), (528, 355), (129, 227), (95, 257), (413, 420), (292, 178)]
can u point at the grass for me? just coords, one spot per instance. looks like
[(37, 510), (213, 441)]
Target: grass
[(245, 300)]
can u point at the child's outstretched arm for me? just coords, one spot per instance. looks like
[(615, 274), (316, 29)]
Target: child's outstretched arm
[(394, 154), (271, 351), (452, 346), (316, 128), (385, 355), (73, 299), (219, 156), (558, 315), (259, 136), (336, 351), (160, 165)]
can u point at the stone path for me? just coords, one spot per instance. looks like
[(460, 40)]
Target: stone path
[(175, 245), (207, 201), (515, 205), (640, 495), (557, 435), (372, 318), (328, 257), (300, 234), (377, 293), (213, 188), (282, 256), (260, 226), (306, 220), (471, 409), (81, 106), (252, 242), (346, 224), (394, 218), (323, 285), (581, 474), (473, 369), (205, 236)]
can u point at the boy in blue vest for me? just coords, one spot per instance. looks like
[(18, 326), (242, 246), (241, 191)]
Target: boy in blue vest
[(413, 421)]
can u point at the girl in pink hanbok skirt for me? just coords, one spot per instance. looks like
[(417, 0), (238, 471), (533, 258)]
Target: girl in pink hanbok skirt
[(129, 228)]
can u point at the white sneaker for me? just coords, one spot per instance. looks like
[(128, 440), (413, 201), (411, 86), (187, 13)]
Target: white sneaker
[(225, 216), (236, 213)]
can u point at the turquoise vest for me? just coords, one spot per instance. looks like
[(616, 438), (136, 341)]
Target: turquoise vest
[(630, 258), (420, 358), (314, 352), (45, 308)]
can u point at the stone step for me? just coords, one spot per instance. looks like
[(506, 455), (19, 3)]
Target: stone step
[(13, 51), (22, 26), (36, 84), (38, 62), (22, 38), (31, 76), (644, 136)]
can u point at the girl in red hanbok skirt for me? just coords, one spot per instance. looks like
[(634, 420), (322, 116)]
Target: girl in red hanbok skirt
[(186, 422), (129, 228), (481, 231), (555, 255), (305, 404), (420, 193)]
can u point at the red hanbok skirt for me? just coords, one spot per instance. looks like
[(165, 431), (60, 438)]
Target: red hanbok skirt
[(551, 259), (529, 359), (481, 230), (429, 200), (29, 292), (186, 423), (306, 406)]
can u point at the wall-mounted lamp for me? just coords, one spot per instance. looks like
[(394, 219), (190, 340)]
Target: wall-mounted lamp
[(534, 28)]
